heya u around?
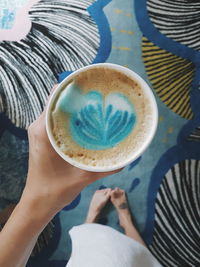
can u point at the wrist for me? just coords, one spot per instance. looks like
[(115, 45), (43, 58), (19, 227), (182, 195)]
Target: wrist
[(34, 212), (41, 195)]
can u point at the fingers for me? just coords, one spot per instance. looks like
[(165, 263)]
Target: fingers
[(104, 174), (93, 176)]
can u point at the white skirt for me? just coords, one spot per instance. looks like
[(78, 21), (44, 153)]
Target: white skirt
[(95, 245)]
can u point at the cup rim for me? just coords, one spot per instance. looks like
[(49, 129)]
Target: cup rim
[(133, 156)]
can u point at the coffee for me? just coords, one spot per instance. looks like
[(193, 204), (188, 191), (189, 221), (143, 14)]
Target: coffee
[(101, 117)]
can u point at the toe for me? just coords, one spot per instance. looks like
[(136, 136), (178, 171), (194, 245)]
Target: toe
[(106, 191), (103, 190), (109, 190), (116, 189), (112, 194)]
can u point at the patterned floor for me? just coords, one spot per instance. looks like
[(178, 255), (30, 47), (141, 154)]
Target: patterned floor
[(160, 40)]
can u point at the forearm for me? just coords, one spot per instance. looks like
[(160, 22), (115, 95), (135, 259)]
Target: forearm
[(20, 233)]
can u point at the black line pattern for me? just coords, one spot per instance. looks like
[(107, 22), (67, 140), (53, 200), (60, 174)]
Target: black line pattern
[(177, 19), (63, 37), (43, 239), (171, 77), (176, 240)]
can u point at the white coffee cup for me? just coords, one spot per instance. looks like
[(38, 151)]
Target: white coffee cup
[(131, 157)]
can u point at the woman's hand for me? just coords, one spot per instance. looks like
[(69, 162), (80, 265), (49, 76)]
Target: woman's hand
[(51, 184), (51, 180)]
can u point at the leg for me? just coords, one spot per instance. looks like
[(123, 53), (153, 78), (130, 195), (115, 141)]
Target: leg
[(119, 200), (99, 200)]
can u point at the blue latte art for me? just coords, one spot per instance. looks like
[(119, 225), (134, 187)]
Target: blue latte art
[(97, 122)]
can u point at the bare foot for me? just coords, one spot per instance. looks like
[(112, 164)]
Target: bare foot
[(118, 198), (99, 200)]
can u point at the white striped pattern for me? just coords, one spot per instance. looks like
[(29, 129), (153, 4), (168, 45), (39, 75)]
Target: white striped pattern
[(195, 135), (177, 19), (63, 37), (176, 240)]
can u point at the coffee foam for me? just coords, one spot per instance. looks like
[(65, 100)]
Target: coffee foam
[(115, 81)]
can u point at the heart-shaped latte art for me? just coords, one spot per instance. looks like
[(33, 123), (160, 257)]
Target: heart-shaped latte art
[(97, 122)]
